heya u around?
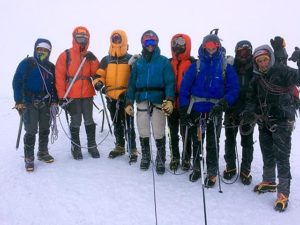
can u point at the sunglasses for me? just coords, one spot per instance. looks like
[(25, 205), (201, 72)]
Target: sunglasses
[(116, 39), (81, 38), (150, 42), (178, 42)]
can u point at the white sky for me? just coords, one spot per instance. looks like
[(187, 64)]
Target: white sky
[(22, 22)]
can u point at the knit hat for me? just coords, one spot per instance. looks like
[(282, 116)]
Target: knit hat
[(260, 54)]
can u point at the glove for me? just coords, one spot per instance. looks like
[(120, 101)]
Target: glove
[(19, 107), (247, 117), (90, 56), (221, 106), (295, 56), (129, 110), (277, 43), (98, 86), (167, 107), (133, 58), (185, 119), (280, 53), (63, 103)]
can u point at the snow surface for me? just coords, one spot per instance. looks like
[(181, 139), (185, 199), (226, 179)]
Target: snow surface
[(110, 191)]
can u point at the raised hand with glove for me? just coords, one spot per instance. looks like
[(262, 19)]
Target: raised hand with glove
[(129, 110), (280, 53), (167, 107), (220, 107)]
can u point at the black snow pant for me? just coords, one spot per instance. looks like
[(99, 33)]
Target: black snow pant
[(231, 129), (119, 118), (275, 144)]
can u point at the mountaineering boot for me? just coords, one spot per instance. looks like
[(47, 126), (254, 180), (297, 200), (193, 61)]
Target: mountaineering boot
[(75, 144), (195, 175), (174, 164), (117, 151), (29, 164), (133, 156), (44, 156), (145, 161), (265, 186), (281, 203), (245, 177), (229, 173), (186, 164), (161, 155), (210, 181), (91, 137), (29, 141)]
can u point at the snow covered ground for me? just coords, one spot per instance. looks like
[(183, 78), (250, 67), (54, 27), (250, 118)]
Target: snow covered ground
[(110, 191)]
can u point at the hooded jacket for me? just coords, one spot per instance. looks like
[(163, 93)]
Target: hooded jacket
[(271, 93), (66, 70), (114, 70), (209, 83), (152, 80), (180, 64), (35, 79)]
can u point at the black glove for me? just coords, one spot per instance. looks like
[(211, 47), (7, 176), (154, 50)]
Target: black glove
[(63, 103), (185, 119), (295, 56), (221, 106), (277, 43), (247, 117), (90, 56), (280, 53), (98, 86)]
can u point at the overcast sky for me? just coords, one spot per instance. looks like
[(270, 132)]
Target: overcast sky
[(22, 22)]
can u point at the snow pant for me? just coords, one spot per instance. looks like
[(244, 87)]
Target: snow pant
[(146, 114), (77, 109), (36, 118), (173, 124), (197, 145), (119, 118), (231, 129), (213, 131), (275, 146)]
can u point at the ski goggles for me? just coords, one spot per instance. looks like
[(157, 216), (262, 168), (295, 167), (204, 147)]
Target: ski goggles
[(150, 42), (211, 44), (178, 42), (116, 38)]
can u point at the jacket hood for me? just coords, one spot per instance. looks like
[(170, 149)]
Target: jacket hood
[(45, 43), (188, 45), (271, 54), (80, 29), (119, 49)]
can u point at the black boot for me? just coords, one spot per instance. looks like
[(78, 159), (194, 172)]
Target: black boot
[(29, 142), (161, 155), (75, 145), (91, 137), (145, 161)]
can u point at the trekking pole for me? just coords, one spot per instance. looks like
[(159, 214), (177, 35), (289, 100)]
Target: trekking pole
[(19, 131), (105, 111), (215, 120), (199, 135)]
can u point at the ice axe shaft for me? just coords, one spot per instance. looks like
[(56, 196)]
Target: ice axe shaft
[(19, 131)]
